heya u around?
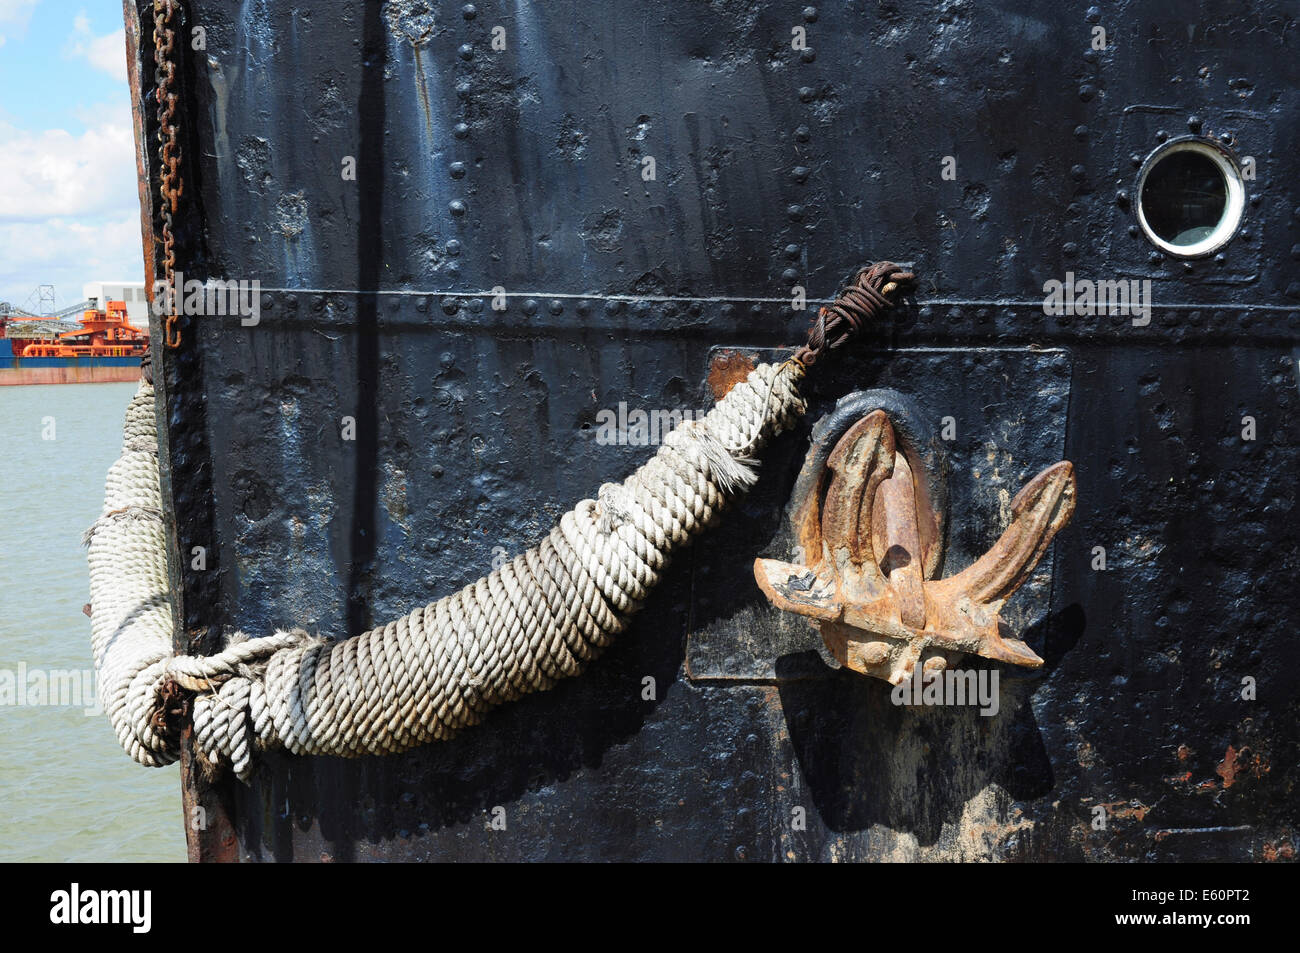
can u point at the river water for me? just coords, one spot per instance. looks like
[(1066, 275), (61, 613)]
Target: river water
[(67, 791)]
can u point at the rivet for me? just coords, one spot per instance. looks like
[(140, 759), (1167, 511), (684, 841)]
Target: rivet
[(457, 207), (460, 130), (457, 170)]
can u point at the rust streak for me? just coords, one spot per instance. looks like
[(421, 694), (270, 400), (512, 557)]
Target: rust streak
[(1275, 852), (1127, 809), (727, 369), (1240, 764)]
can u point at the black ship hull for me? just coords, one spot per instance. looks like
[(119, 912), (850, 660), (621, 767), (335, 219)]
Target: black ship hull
[(646, 188)]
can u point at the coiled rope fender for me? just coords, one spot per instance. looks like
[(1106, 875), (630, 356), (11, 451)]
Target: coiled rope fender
[(429, 674)]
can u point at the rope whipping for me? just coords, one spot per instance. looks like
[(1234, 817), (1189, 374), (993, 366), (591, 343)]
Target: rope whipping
[(424, 677)]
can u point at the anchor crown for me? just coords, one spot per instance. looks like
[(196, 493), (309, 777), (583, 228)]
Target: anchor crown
[(873, 537)]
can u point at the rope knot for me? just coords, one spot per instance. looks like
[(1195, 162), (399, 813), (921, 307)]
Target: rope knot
[(858, 304)]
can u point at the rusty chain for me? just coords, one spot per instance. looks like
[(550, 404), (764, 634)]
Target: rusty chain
[(170, 184)]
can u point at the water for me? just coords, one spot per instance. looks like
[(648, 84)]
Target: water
[(67, 791)]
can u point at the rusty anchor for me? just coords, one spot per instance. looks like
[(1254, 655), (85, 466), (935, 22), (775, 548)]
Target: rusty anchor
[(869, 513)]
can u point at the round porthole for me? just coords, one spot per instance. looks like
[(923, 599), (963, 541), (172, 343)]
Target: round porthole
[(1190, 197)]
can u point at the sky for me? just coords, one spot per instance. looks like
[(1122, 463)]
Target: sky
[(69, 199)]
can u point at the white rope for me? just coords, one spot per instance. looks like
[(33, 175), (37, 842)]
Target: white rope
[(429, 674)]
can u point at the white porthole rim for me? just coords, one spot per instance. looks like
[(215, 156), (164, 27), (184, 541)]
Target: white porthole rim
[(1234, 208)]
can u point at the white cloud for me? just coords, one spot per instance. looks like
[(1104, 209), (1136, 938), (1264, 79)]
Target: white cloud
[(16, 10), (106, 53), (14, 16), (54, 173), (67, 254), (69, 209)]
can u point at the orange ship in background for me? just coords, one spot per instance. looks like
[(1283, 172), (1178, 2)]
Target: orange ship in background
[(102, 334), (106, 347)]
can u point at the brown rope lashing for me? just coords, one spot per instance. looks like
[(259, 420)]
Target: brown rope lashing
[(857, 304)]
